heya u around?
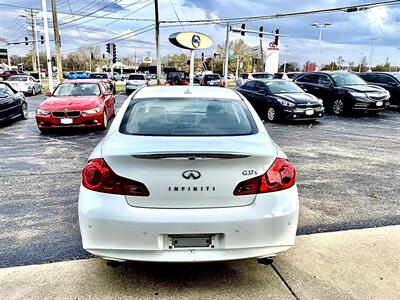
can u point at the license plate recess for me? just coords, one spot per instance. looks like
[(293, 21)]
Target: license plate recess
[(191, 241)]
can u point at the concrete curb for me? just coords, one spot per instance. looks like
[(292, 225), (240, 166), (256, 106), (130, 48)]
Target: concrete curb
[(356, 264)]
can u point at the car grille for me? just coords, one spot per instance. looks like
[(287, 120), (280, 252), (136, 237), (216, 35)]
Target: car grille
[(376, 96), (69, 114), (314, 105)]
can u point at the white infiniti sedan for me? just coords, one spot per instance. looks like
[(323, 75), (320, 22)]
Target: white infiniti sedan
[(187, 174)]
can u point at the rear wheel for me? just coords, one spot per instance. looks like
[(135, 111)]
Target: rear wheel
[(24, 111), (271, 114), (113, 113), (338, 107), (33, 92)]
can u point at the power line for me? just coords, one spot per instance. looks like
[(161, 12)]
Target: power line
[(173, 7), (82, 15), (87, 21), (108, 24), (352, 8)]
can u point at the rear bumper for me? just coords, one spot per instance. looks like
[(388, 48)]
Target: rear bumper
[(49, 121), (112, 229)]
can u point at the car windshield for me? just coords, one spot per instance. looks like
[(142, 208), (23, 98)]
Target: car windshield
[(344, 79), (282, 87), (18, 78), (136, 77), (292, 75), (187, 117), (77, 89), (262, 76), (98, 76)]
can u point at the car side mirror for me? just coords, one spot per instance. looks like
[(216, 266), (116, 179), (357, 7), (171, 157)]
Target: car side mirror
[(47, 94), (261, 92), (108, 93)]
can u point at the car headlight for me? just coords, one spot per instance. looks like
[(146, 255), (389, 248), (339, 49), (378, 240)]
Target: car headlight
[(286, 103), (387, 93), (42, 112), (92, 111), (358, 94)]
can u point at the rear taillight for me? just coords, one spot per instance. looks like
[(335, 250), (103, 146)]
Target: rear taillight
[(280, 176), (98, 176), (202, 82), (185, 82)]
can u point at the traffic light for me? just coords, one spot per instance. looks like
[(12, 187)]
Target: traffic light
[(108, 48), (243, 26), (114, 53), (202, 56), (261, 30), (104, 56), (26, 41), (91, 55), (53, 60), (42, 40), (276, 41)]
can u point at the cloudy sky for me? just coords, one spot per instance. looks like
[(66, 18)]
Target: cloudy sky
[(349, 36)]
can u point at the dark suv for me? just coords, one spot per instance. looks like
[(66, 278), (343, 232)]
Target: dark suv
[(389, 81), (343, 92)]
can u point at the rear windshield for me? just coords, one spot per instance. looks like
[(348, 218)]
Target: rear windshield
[(98, 76), (136, 77), (262, 76), (18, 78), (211, 77), (187, 117)]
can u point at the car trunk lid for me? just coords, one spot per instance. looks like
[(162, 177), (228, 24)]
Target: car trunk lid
[(189, 172)]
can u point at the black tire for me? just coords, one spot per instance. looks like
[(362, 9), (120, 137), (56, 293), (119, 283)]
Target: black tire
[(33, 92), (24, 111), (338, 107), (271, 115)]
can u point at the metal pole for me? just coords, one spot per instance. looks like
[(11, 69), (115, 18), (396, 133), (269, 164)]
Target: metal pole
[(228, 29), (8, 58), (47, 42), (398, 59), (237, 67), (111, 59), (37, 47), (157, 31), (57, 41), (372, 54), (262, 53), (191, 74), (284, 65), (319, 47)]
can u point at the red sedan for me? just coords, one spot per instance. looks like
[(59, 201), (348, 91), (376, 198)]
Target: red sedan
[(76, 103)]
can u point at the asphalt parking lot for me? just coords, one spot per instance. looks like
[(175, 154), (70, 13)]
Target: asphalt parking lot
[(348, 173)]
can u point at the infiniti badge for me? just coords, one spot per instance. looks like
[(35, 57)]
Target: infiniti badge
[(191, 174)]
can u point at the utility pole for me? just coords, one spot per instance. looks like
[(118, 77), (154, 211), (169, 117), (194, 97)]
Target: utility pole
[(262, 53), (47, 42), (57, 41), (37, 47), (30, 15), (228, 30), (157, 30)]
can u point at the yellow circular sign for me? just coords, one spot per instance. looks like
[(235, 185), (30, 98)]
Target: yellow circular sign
[(191, 40)]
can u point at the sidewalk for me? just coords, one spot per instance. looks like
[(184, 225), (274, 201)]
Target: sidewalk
[(357, 264)]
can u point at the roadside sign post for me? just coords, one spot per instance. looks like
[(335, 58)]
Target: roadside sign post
[(47, 43), (191, 41)]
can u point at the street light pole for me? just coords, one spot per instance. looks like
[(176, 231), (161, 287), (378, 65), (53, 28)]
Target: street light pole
[(320, 27), (284, 65), (372, 53), (47, 43), (228, 29), (157, 32), (398, 60)]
